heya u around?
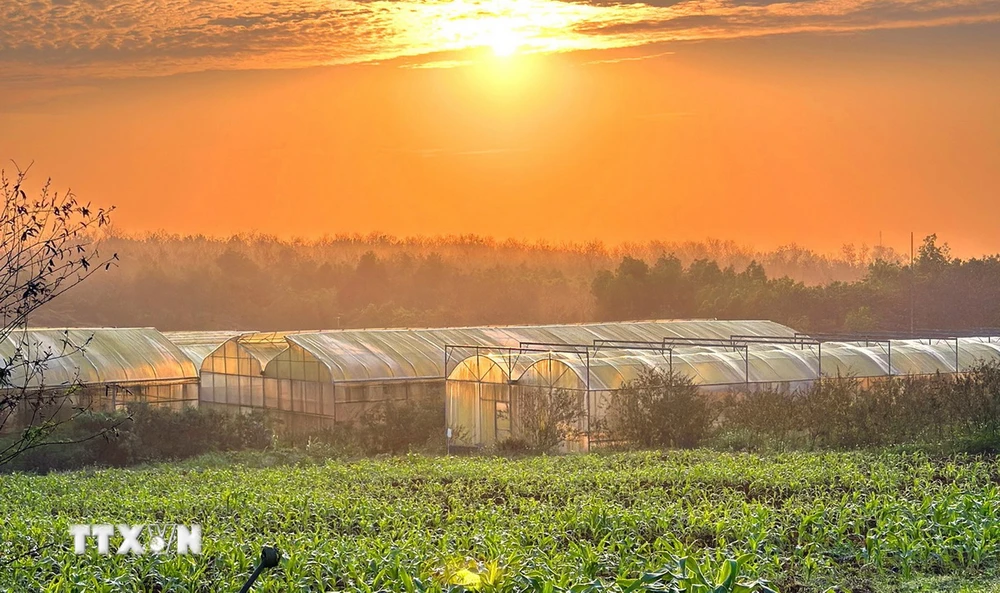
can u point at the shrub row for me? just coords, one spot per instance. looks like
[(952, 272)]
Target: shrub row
[(660, 409), (140, 435)]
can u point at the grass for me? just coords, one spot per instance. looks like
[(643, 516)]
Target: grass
[(579, 524)]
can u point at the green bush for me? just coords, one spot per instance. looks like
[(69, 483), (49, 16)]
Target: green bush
[(389, 427), (157, 434), (948, 412), (546, 418), (514, 446), (659, 409), (400, 426)]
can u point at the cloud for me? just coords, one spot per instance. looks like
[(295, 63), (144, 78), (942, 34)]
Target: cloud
[(630, 58), (63, 39), (438, 64), (429, 153)]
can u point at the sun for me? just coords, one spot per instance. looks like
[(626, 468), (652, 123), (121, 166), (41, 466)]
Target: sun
[(503, 35), (504, 42), (505, 30)]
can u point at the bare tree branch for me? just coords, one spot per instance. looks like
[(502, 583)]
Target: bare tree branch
[(48, 245)]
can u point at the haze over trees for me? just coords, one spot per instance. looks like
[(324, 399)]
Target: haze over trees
[(262, 282), (941, 291)]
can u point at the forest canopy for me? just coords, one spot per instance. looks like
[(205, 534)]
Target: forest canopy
[(262, 282)]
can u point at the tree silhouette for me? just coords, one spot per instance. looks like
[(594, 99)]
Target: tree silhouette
[(47, 246)]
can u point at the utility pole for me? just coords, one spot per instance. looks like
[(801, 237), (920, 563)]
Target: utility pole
[(912, 283)]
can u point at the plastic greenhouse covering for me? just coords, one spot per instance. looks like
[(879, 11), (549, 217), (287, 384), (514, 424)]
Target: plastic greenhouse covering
[(263, 347), (199, 345), (387, 354), (245, 353), (97, 356), (607, 369)]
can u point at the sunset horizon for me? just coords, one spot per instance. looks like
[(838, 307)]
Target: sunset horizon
[(500, 296), (761, 123)]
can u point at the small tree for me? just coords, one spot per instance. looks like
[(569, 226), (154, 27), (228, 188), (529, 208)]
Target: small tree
[(981, 386), (764, 413), (659, 408), (396, 426), (47, 246), (546, 418)]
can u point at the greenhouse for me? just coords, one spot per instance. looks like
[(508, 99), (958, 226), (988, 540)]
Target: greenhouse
[(106, 367), (199, 345), (340, 374), (485, 388), (233, 373)]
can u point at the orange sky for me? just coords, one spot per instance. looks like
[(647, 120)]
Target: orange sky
[(817, 138)]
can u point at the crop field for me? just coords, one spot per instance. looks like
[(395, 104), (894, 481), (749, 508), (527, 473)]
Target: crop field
[(676, 521)]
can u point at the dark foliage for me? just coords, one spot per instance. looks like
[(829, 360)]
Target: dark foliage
[(659, 409), (942, 292), (144, 435), (958, 413), (389, 427), (398, 426), (260, 282)]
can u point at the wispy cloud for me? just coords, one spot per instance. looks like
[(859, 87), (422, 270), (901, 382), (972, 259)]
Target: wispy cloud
[(121, 38), (630, 58), (438, 64), (430, 153)]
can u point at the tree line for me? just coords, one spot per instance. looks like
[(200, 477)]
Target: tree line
[(259, 282), (935, 291)]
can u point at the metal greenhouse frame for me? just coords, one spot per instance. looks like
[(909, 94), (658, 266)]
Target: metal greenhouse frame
[(337, 375), (482, 402)]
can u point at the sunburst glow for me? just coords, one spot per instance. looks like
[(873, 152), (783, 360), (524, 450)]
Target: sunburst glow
[(156, 37), (506, 27), (505, 42)]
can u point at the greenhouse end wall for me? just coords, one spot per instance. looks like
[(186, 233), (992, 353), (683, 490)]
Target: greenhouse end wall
[(296, 387)]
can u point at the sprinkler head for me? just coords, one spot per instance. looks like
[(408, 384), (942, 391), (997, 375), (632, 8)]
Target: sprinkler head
[(269, 557)]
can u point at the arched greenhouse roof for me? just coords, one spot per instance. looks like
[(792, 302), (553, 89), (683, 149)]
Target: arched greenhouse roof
[(93, 356), (264, 346), (385, 354), (246, 354), (482, 368), (609, 369), (199, 345)]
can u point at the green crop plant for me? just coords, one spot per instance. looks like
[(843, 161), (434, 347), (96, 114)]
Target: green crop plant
[(691, 521)]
